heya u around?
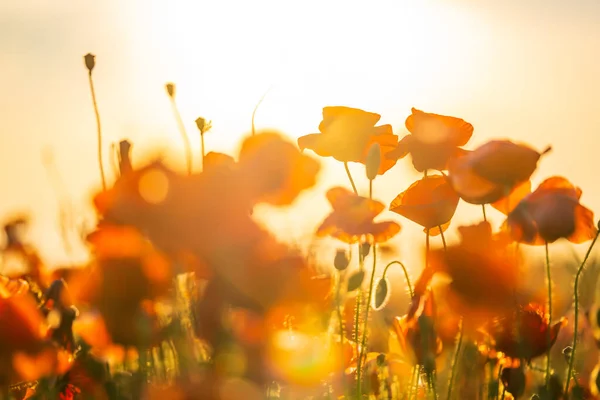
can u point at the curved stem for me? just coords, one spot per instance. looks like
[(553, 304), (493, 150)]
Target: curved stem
[(484, 214), (576, 305), (455, 360), (366, 321), (350, 177), (443, 238), (410, 289), (99, 131), (184, 136), (256, 108), (549, 278)]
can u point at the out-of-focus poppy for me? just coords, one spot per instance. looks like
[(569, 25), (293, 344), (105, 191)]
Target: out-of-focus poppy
[(347, 134), (352, 218), (20, 259), (525, 333), (552, 212), (493, 170), (514, 380), (434, 139), (274, 170), (430, 202), (214, 159), (483, 274)]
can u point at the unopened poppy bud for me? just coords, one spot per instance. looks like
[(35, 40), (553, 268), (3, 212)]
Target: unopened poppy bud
[(381, 359), (90, 61), (365, 249), (373, 161), (170, 89), (341, 261), (567, 351), (514, 381), (201, 123)]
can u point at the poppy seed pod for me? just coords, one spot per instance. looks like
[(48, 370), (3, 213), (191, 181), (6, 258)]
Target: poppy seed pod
[(341, 260), (170, 89), (373, 161), (90, 61), (201, 124)]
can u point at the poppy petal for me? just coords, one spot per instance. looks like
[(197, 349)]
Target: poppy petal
[(435, 128), (508, 203), (384, 231), (469, 185), (585, 228)]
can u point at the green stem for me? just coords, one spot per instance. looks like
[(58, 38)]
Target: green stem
[(455, 360), (366, 321), (443, 238), (350, 177), (410, 289), (99, 131), (340, 319), (432, 379), (415, 374), (576, 305), (549, 278), (184, 136), (484, 214)]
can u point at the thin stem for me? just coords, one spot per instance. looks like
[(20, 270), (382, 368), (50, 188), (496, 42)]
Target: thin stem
[(410, 289), (576, 305), (203, 154), (256, 109), (340, 319), (484, 214), (503, 393), (350, 177), (443, 238), (184, 136), (99, 129), (415, 374), (370, 188), (426, 248), (549, 278), (366, 321), (455, 360), (432, 379)]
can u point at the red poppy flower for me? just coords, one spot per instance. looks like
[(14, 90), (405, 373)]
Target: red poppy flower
[(347, 134), (434, 139), (430, 202), (552, 212), (352, 218), (524, 334), (492, 171)]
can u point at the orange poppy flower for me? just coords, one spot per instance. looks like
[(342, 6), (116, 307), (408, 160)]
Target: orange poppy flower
[(434, 139), (214, 159), (483, 272), (524, 334), (430, 202), (275, 171), (552, 212), (347, 134), (488, 173), (352, 218)]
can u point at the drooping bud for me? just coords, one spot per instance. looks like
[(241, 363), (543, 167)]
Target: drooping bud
[(567, 351), (514, 381), (365, 249), (373, 161), (201, 124), (355, 281), (90, 61), (170, 89), (382, 294), (341, 261)]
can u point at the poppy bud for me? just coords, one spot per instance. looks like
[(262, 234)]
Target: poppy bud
[(365, 249), (201, 123), (513, 380), (341, 261), (170, 89), (381, 359), (373, 161), (567, 351), (90, 61)]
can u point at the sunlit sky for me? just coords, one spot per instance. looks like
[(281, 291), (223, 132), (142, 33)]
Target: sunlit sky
[(526, 70)]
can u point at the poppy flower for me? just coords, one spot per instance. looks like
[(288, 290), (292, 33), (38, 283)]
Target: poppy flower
[(347, 134), (488, 173), (430, 202), (483, 274), (274, 169), (352, 218), (552, 212), (214, 159), (433, 140), (524, 334)]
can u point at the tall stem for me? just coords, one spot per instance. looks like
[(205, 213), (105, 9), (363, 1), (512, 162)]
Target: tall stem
[(99, 129), (484, 214), (443, 238), (202, 151), (410, 289), (366, 321), (576, 305), (370, 188), (549, 278), (184, 136), (350, 177), (340, 319)]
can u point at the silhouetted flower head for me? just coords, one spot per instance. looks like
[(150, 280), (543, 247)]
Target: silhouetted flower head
[(551, 212), (170, 87), (90, 61), (347, 134), (352, 218), (434, 139), (430, 202)]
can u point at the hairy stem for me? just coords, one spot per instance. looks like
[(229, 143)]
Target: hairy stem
[(410, 289), (99, 131), (366, 321), (455, 360), (549, 279)]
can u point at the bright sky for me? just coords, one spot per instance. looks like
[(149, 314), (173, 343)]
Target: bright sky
[(526, 70)]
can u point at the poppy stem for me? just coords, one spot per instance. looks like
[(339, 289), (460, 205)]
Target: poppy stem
[(443, 238), (366, 321), (350, 177), (503, 393), (576, 306), (370, 188), (202, 151), (184, 136), (99, 130), (410, 289), (549, 278), (256, 109), (484, 214), (340, 319), (412, 384), (455, 359)]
